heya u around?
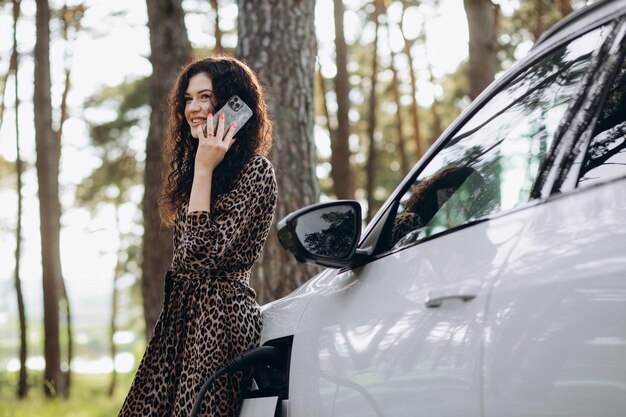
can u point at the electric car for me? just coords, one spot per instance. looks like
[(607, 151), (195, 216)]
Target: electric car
[(493, 280)]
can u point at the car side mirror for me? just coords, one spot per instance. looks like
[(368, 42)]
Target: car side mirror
[(325, 234)]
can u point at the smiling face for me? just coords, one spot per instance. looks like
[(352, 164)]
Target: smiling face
[(198, 102)]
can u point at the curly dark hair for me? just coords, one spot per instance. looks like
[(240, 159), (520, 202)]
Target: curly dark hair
[(229, 76)]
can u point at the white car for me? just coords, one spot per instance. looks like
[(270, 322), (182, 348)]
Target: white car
[(493, 281)]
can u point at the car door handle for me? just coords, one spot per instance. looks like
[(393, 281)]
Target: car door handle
[(465, 291)]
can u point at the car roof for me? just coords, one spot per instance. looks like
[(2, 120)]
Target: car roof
[(594, 14)]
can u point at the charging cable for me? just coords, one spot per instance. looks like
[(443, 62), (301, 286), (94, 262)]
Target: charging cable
[(257, 356)]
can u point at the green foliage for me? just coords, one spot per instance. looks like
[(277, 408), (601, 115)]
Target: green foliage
[(130, 95), (119, 143), (111, 181), (121, 170)]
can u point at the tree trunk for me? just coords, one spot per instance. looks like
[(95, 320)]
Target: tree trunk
[(71, 17), (481, 19), (341, 171), (113, 329), (22, 385), (5, 78), (277, 40), (417, 136), (436, 114), (114, 301), (395, 91), (538, 26), (437, 129), (371, 125), (219, 49), (49, 207), (170, 50), (66, 308), (565, 7)]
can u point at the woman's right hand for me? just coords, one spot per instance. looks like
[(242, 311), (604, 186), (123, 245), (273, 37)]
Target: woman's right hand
[(212, 148)]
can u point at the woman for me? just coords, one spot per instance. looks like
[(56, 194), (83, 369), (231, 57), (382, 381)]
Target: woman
[(220, 196)]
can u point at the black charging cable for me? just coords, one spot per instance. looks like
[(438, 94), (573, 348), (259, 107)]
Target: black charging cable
[(261, 355)]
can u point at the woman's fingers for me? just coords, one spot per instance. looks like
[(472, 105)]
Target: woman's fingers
[(219, 133), (213, 148), (228, 138), (208, 128)]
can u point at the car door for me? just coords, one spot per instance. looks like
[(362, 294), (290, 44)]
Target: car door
[(556, 327), (403, 334)]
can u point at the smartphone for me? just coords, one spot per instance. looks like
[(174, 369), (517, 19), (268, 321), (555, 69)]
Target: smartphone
[(235, 111)]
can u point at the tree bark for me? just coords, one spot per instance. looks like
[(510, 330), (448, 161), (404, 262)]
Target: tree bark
[(47, 148), (395, 91), (417, 136), (71, 18), (5, 78), (277, 40), (341, 171), (114, 301), (481, 19), (565, 7), (219, 48), (22, 386), (437, 129), (371, 125), (170, 50), (538, 26)]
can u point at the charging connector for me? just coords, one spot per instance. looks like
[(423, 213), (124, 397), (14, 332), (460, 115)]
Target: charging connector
[(262, 355)]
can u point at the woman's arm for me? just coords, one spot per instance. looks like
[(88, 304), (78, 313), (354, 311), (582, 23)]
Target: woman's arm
[(200, 198), (244, 223)]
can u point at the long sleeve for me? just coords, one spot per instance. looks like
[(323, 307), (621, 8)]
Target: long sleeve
[(232, 235)]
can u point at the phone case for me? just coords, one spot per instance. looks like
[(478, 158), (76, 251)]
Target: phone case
[(235, 111)]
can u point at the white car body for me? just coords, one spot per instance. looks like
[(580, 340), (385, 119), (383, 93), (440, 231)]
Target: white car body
[(522, 313)]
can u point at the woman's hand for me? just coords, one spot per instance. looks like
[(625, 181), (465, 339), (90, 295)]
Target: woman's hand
[(213, 147)]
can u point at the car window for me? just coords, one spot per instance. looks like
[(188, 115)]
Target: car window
[(606, 155), (491, 164)]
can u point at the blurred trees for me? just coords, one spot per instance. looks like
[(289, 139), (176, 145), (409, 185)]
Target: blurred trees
[(170, 49), (277, 40), (536, 16), (117, 182)]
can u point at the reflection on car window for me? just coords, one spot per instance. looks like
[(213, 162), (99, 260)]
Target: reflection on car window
[(606, 155), (492, 162)]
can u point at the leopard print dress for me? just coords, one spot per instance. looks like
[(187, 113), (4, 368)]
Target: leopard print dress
[(210, 314)]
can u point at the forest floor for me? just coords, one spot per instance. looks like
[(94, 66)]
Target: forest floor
[(88, 398)]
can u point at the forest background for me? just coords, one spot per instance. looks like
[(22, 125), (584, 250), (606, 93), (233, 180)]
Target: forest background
[(358, 91)]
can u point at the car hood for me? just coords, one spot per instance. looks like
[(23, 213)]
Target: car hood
[(281, 317)]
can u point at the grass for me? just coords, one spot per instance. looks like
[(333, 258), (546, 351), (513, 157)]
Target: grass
[(88, 398)]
